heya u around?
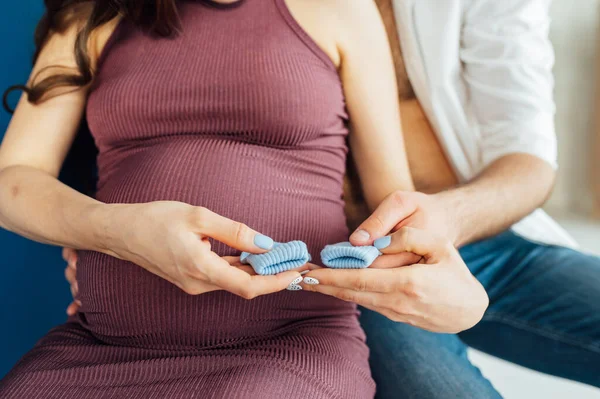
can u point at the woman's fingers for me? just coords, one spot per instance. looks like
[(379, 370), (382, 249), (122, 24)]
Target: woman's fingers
[(249, 286), (417, 241), (235, 261), (220, 273), (232, 260), (234, 234)]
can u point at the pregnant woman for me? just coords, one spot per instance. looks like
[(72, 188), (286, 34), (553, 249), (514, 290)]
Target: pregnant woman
[(209, 116)]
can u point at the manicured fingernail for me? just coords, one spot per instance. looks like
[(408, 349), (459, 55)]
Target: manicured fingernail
[(361, 235), (263, 242), (304, 272), (294, 288), (311, 281), (382, 242), (296, 281)]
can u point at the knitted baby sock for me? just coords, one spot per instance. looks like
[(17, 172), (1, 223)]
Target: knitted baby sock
[(283, 256), (346, 256)]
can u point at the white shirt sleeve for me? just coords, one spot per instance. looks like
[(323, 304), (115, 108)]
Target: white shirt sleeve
[(508, 59)]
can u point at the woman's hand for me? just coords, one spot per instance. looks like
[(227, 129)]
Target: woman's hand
[(438, 294), (170, 240)]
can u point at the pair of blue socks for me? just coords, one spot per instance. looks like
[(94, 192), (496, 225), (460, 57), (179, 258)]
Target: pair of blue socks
[(293, 254)]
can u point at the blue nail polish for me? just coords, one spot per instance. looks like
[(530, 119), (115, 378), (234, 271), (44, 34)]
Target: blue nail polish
[(382, 242), (263, 242)]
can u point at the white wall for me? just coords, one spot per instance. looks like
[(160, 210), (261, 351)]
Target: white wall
[(574, 33)]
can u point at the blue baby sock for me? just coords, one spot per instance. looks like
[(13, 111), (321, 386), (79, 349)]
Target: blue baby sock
[(283, 256), (346, 256)]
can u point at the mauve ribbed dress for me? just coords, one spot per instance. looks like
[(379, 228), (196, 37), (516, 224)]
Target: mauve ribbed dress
[(244, 114)]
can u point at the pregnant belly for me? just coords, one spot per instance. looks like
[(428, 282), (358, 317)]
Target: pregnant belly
[(286, 194)]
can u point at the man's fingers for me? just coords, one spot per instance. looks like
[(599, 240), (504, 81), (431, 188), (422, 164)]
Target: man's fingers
[(396, 260), (394, 209), (417, 241), (363, 280), (367, 299), (390, 314), (74, 290), (70, 256), (403, 312), (70, 274), (73, 308), (234, 234)]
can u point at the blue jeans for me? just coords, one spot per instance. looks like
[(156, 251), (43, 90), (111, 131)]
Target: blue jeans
[(544, 314)]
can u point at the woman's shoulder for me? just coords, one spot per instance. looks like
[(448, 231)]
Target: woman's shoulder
[(100, 37), (58, 48), (341, 18), (330, 22)]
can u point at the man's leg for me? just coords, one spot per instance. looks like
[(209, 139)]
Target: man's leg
[(407, 362), (544, 314), (544, 306)]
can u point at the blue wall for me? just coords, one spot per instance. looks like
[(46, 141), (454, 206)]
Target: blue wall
[(33, 292)]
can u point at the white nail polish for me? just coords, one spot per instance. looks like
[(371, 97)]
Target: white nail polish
[(296, 281), (294, 288), (304, 272), (311, 281)]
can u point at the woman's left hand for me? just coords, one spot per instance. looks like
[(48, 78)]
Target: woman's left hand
[(438, 294)]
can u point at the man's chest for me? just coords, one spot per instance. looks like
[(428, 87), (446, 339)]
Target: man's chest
[(387, 14), (429, 166)]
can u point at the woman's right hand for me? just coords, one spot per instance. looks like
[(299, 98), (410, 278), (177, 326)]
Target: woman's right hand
[(170, 240)]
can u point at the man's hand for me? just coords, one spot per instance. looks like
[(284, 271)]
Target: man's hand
[(438, 294), (483, 207), (408, 209), (70, 256)]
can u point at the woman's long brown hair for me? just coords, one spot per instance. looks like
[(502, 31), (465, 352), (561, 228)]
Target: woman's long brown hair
[(155, 16)]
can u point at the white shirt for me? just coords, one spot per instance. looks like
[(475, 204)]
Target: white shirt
[(482, 71)]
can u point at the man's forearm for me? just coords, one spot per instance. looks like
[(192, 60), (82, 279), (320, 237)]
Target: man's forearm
[(506, 191)]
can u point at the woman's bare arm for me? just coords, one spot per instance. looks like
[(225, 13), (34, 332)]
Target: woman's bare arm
[(368, 76), (33, 203)]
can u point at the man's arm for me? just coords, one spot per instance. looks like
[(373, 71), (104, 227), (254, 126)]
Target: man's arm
[(507, 66), (504, 193), (507, 62)]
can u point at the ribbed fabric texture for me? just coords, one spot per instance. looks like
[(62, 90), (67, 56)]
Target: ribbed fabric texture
[(344, 255), (243, 114), (283, 257)]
